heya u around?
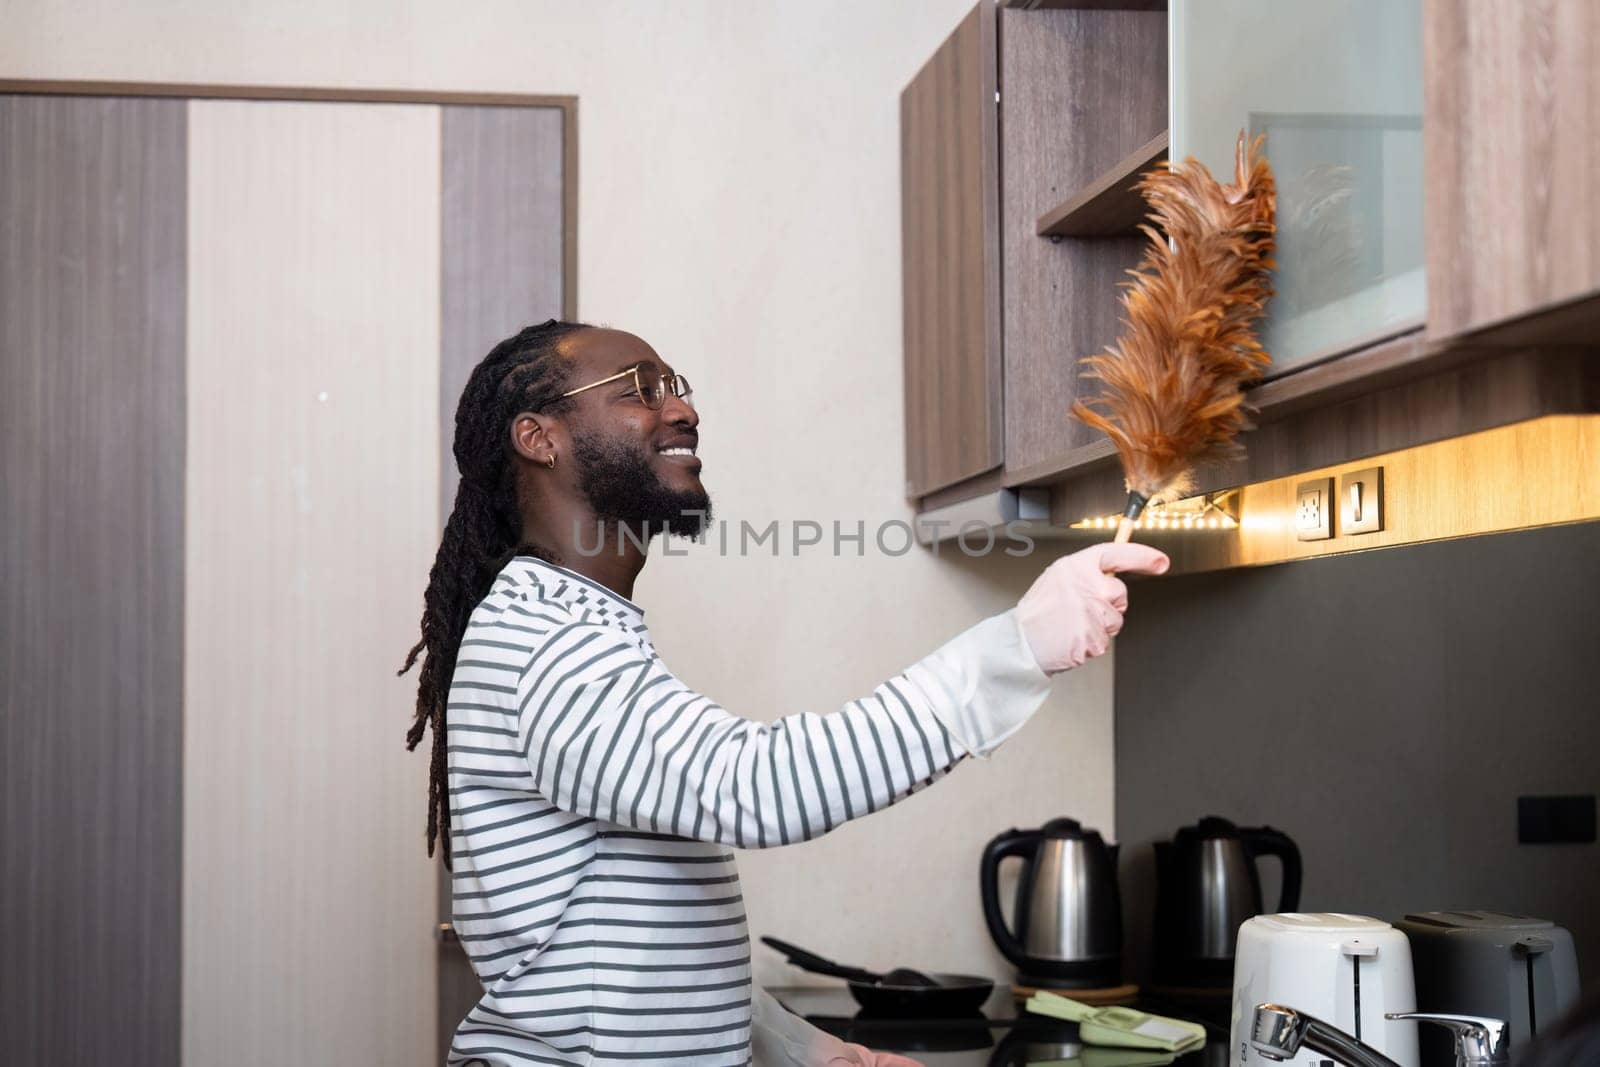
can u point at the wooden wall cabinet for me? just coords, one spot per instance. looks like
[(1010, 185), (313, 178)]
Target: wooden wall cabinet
[(1016, 112), (1512, 247)]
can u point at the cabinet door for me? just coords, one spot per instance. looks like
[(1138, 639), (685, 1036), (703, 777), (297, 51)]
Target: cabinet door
[(1336, 89), (949, 175), (1512, 99)]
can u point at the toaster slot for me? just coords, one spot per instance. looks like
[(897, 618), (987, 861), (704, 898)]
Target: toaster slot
[(1355, 986), (1534, 952), (1533, 1010)]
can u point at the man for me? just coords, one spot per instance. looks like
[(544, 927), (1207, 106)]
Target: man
[(587, 796)]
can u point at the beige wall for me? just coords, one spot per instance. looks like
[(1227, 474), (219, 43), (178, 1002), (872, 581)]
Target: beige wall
[(739, 208)]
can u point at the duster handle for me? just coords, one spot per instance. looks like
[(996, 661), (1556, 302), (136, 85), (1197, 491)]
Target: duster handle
[(1136, 503)]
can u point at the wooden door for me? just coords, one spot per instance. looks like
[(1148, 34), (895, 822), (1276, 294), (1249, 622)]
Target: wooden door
[(232, 335)]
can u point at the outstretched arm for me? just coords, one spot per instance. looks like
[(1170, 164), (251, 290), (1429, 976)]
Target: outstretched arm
[(608, 732)]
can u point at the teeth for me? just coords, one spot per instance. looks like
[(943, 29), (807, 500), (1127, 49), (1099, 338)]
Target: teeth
[(677, 451)]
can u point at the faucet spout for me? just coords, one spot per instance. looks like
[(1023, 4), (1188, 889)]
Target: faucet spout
[(1279, 1032)]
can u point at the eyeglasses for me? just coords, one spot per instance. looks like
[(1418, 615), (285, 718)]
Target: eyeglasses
[(651, 385)]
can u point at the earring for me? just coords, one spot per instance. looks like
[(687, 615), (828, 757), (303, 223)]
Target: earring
[(551, 461)]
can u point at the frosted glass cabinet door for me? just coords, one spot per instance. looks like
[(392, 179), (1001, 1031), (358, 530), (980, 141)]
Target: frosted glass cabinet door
[(1337, 90)]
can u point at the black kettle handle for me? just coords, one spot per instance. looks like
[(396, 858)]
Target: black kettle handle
[(1010, 843), (1265, 841)]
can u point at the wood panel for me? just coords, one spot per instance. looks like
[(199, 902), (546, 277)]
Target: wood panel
[(1090, 5), (951, 258), (1544, 472), (1512, 146), (312, 522), (1081, 90), (91, 599), (503, 238)]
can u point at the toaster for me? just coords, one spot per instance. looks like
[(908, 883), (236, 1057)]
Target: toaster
[(1512, 967), (1347, 970)]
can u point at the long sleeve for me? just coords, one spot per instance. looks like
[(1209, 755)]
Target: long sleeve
[(609, 733)]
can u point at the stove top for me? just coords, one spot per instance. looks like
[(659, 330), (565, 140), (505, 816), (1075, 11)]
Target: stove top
[(1000, 1036)]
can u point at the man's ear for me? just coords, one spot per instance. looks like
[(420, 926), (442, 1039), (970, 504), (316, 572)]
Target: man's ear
[(538, 438)]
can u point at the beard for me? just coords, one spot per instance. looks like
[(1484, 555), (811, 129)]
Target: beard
[(622, 486)]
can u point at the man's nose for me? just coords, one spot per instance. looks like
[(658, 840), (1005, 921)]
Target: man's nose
[(677, 411)]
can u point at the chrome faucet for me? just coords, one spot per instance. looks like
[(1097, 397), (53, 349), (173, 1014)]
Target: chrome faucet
[(1278, 1033)]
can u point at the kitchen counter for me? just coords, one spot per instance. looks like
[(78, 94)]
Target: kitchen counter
[(1001, 1035)]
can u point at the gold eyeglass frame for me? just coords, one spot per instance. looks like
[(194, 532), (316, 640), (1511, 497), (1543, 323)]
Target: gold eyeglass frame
[(676, 384)]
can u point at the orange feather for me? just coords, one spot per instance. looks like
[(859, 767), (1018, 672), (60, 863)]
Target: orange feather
[(1170, 394)]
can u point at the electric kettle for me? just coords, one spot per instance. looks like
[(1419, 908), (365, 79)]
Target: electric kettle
[(1068, 916), (1207, 885)]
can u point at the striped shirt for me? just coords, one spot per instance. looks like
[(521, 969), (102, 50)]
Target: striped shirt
[(595, 797)]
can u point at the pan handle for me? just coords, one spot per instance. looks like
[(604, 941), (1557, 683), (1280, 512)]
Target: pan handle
[(810, 961)]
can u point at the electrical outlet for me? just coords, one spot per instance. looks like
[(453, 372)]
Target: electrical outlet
[(1361, 501), (1313, 513)]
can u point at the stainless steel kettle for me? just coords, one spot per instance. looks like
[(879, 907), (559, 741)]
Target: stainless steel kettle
[(1069, 912), (1206, 886)]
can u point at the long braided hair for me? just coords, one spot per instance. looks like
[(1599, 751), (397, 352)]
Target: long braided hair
[(521, 373)]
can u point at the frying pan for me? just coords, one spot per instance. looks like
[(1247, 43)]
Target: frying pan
[(900, 992)]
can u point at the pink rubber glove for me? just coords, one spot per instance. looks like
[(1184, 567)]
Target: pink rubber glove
[(780, 1038), (1073, 610), (865, 1057)]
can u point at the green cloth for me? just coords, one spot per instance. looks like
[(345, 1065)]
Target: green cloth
[(1121, 1028)]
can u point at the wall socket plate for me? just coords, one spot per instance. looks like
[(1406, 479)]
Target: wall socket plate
[(1361, 501), (1313, 512)]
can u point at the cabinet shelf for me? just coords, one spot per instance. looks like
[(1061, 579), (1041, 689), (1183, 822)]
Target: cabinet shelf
[(1109, 205)]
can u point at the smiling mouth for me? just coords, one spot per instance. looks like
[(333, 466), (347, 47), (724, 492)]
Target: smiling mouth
[(681, 455)]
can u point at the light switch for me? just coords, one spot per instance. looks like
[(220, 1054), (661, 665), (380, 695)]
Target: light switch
[(1313, 513), (1361, 501)]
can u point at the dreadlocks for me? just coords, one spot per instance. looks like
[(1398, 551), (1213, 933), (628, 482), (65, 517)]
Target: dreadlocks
[(521, 373)]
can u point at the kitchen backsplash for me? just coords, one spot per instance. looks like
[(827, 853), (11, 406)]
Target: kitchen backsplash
[(1386, 709)]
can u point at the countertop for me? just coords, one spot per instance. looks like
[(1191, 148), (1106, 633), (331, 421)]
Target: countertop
[(1001, 1035)]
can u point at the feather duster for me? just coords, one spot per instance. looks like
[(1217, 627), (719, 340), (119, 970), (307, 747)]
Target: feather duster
[(1170, 394)]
